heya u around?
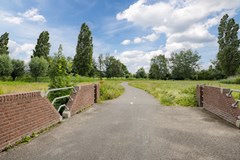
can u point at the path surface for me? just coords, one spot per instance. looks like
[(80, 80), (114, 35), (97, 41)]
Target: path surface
[(134, 127)]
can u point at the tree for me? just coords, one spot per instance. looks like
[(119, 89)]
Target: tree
[(5, 65), (18, 68), (59, 77), (3, 44), (114, 68), (94, 70), (38, 67), (184, 64), (43, 46), (141, 73), (158, 68), (228, 55), (100, 65), (82, 62)]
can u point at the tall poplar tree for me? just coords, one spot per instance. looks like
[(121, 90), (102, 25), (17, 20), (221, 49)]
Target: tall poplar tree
[(43, 46), (3, 44), (228, 55), (82, 62)]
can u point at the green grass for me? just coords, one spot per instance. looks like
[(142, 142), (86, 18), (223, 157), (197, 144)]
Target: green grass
[(110, 89), (7, 87), (177, 93), (231, 80)]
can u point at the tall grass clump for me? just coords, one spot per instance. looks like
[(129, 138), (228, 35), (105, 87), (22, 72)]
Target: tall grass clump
[(170, 93), (231, 80), (110, 90)]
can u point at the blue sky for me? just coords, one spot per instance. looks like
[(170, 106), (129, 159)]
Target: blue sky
[(132, 30)]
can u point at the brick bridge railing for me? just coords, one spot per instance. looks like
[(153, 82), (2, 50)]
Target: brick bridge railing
[(24, 113), (220, 102)]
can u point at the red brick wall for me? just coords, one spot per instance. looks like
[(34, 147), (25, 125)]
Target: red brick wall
[(216, 101), (22, 114), (83, 98)]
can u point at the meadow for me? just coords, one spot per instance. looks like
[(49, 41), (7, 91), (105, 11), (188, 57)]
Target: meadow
[(169, 92), (177, 93)]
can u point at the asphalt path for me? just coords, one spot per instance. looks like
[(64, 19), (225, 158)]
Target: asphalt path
[(134, 127)]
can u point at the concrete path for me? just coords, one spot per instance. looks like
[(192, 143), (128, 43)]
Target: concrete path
[(134, 127)]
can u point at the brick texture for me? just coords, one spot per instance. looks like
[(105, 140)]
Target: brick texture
[(22, 114), (84, 97), (215, 100)]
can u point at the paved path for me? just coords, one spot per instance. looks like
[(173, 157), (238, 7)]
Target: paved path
[(134, 127)]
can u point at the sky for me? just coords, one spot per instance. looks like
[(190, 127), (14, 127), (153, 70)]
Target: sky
[(133, 31)]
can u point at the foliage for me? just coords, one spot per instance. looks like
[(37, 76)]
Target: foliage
[(38, 67), (3, 44), (141, 73), (228, 55), (210, 74), (18, 69), (5, 65), (110, 90), (43, 46), (231, 80), (82, 62), (100, 65), (94, 71), (184, 64), (158, 68), (114, 68), (59, 77)]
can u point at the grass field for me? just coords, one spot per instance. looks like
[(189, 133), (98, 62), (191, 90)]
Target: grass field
[(110, 89), (177, 93), (169, 93)]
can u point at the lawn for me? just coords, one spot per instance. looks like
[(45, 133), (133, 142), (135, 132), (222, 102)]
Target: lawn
[(177, 93)]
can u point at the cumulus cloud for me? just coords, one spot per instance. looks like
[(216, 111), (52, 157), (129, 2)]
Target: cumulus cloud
[(151, 37), (7, 17), (126, 42), (33, 15), (185, 23), (21, 51), (135, 59)]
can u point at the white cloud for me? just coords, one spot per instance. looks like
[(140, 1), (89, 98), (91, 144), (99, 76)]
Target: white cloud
[(151, 37), (135, 59), (185, 23), (126, 42), (33, 15), (18, 51), (7, 17), (138, 40)]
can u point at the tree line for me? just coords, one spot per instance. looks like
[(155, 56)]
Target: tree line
[(185, 64), (59, 67)]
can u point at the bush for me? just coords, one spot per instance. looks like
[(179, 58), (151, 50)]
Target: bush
[(38, 67), (18, 69), (5, 65)]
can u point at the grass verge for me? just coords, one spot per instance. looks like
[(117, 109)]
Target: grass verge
[(110, 90)]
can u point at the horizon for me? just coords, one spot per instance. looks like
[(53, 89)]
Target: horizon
[(132, 31)]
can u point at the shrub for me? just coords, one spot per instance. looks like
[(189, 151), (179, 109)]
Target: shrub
[(38, 67), (5, 65)]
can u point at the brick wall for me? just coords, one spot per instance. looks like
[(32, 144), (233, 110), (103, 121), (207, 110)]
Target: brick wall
[(83, 98), (23, 114), (214, 99)]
